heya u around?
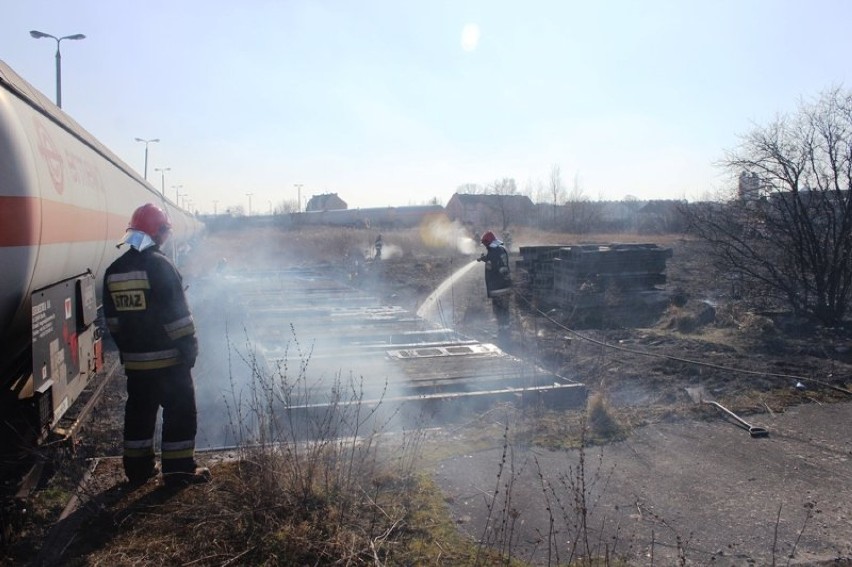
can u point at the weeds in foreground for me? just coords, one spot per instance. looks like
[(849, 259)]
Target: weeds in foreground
[(319, 464), (571, 498), (319, 478), (578, 528), (499, 531)]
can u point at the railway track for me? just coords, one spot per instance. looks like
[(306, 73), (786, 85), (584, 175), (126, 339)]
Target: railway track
[(23, 473)]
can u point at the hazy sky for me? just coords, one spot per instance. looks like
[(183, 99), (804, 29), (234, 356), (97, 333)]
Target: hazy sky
[(389, 102)]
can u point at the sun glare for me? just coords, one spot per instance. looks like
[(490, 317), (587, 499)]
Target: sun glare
[(470, 37)]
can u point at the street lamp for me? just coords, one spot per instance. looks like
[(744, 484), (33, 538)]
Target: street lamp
[(146, 152), (215, 207), (163, 171), (249, 196), (38, 35), (177, 189)]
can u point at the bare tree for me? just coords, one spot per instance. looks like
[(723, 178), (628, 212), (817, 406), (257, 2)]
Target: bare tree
[(503, 188), (556, 189), (471, 189), (793, 242), (581, 214), (632, 204), (577, 192), (287, 206)]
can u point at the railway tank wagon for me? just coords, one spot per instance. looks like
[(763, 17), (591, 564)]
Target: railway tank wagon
[(65, 201)]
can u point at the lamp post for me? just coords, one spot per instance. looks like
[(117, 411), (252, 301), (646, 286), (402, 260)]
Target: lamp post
[(163, 171), (178, 195), (215, 207), (146, 142), (38, 35), (298, 187), (249, 197)]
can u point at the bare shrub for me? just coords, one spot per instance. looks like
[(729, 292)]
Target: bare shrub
[(571, 500), (325, 477), (601, 420)]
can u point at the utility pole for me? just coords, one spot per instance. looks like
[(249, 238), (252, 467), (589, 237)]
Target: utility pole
[(249, 197), (298, 187)]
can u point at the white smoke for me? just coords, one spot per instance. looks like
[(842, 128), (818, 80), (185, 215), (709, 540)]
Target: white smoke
[(389, 252), (440, 232)]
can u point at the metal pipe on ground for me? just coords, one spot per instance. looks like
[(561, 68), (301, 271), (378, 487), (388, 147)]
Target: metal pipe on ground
[(698, 396)]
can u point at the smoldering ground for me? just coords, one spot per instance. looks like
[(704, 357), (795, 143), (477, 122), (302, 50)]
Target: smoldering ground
[(304, 320)]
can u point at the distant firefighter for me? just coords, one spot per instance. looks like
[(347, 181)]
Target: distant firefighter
[(378, 245), (498, 281), (148, 316)]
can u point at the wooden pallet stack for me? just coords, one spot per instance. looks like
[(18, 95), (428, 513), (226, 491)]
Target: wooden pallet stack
[(597, 279), (537, 263)]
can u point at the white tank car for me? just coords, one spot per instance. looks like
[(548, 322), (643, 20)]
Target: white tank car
[(65, 200)]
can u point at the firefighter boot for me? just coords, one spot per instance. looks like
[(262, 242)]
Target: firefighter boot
[(200, 475), (138, 480)]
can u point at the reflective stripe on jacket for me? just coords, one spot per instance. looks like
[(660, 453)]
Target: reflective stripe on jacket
[(497, 282), (146, 310)]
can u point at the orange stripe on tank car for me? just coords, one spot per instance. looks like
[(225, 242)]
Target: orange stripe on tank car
[(63, 223), (60, 223), (19, 221)]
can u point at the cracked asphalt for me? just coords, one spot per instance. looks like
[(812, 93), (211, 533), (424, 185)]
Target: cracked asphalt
[(703, 492)]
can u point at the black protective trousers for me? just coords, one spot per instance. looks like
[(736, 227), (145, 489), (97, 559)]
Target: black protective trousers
[(500, 305), (172, 389)]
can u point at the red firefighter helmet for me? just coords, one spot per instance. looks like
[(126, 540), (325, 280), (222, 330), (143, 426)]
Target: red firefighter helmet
[(152, 220), (488, 238)]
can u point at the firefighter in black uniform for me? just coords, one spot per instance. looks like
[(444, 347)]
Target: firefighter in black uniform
[(378, 246), (148, 316), (498, 282)]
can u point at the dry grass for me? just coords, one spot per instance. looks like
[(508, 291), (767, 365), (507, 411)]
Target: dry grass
[(325, 488), (242, 520)]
